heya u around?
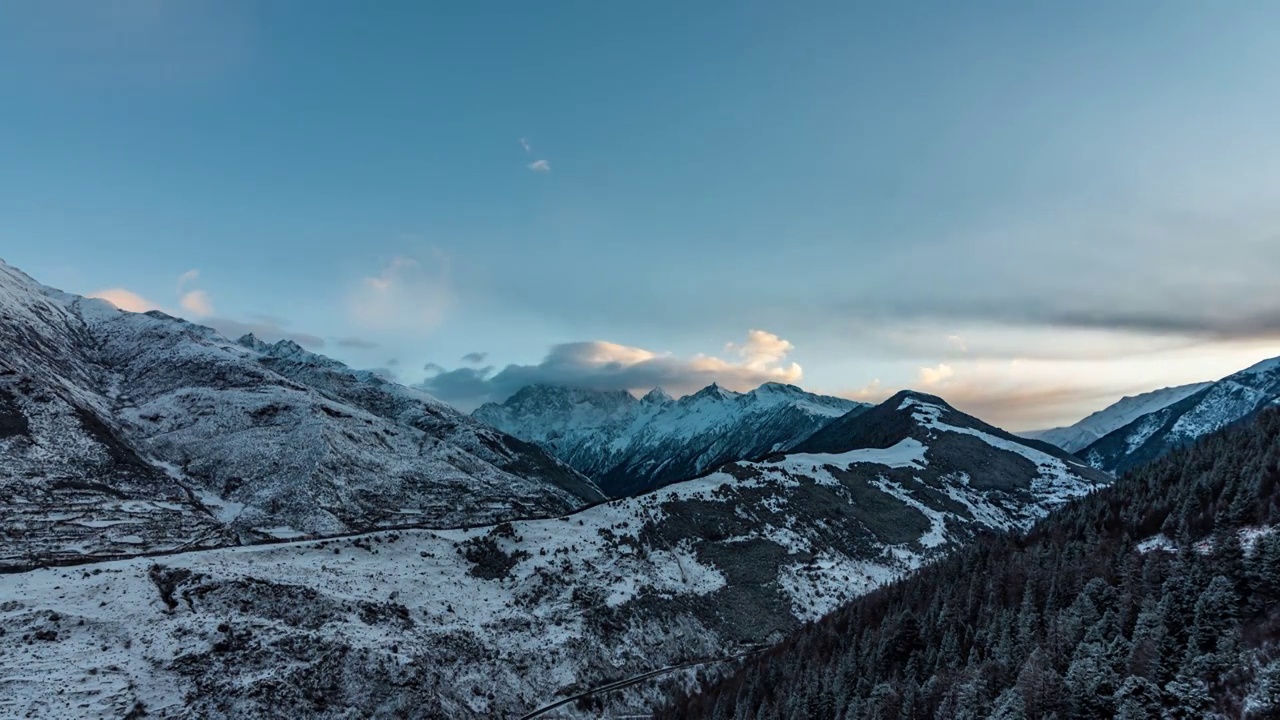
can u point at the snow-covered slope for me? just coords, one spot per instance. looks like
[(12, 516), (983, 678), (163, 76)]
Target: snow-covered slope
[(498, 621), (124, 433), (1074, 438), (628, 445), (1211, 408)]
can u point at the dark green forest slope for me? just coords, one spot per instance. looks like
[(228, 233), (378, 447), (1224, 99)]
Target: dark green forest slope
[(1156, 598)]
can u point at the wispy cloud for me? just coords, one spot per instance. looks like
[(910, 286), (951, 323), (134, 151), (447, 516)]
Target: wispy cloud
[(356, 343), (197, 304), (610, 366), (125, 300), (407, 296), (931, 376), (474, 358), (524, 143), (540, 166)]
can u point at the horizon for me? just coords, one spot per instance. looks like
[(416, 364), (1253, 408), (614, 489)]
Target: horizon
[(1031, 212)]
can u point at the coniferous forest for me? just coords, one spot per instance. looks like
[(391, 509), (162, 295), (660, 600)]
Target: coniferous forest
[(1158, 597)]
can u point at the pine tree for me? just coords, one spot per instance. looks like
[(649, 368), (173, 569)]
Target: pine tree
[(1009, 706), (1138, 699)]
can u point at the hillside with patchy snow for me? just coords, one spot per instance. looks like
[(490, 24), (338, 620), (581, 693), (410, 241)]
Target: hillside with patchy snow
[(124, 433), (628, 445), (497, 621)]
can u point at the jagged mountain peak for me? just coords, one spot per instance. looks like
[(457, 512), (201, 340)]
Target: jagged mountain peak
[(631, 445), (712, 392), (657, 396)]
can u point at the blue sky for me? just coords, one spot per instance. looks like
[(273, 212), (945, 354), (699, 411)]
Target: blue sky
[(1030, 209)]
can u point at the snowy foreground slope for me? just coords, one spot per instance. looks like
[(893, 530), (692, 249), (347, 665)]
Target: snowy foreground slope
[(124, 433), (498, 621), (628, 445), (1074, 438), (1211, 408)]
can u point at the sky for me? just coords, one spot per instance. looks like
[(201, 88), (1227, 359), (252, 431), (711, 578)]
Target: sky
[(1030, 209)]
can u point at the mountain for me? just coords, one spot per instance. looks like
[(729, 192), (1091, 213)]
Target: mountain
[(124, 433), (628, 445), (1150, 436), (1156, 598), (500, 620), (1074, 438)]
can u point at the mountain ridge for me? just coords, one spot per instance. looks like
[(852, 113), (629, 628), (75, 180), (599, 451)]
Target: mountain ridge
[(628, 445), (1079, 435), (1235, 398), (125, 433)]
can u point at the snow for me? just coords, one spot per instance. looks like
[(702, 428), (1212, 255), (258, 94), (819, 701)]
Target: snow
[(158, 422), (657, 440), (1158, 542), (1217, 406), (1056, 481), (908, 452), (1249, 537), (829, 581), (1080, 435)]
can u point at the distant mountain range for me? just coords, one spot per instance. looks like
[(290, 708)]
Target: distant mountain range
[(1074, 438), (1214, 406), (124, 433), (496, 621), (1139, 429), (627, 445)]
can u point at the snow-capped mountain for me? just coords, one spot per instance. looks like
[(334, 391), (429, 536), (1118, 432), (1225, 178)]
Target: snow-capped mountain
[(1074, 438), (628, 445), (124, 433), (498, 621), (1150, 436)]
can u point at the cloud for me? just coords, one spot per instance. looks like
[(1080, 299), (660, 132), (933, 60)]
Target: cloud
[(125, 300), (356, 343), (930, 376), (265, 331), (474, 358), (524, 143), (540, 166), (872, 392), (197, 302), (761, 349), (406, 296), (958, 343), (610, 366)]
